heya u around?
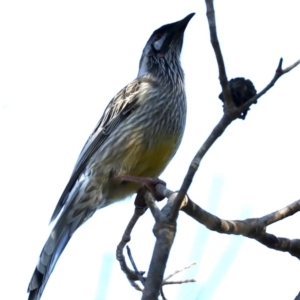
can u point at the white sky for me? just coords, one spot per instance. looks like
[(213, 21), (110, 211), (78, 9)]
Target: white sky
[(60, 64)]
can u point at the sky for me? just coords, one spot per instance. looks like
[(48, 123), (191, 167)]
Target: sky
[(60, 64)]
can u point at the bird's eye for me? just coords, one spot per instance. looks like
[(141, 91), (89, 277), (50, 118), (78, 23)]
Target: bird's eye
[(157, 37)]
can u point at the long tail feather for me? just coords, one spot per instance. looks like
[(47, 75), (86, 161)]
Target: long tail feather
[(51, 252)]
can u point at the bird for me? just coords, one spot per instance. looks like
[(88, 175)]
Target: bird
[(137, 135)]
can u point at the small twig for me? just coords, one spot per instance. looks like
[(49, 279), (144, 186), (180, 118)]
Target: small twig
[(131, 259), (162, 294), (278, 73), (139, 273), (164, 232), (131, 275), (180, 270), (179, 281), (291, 67), (210, 13), (173, 282)]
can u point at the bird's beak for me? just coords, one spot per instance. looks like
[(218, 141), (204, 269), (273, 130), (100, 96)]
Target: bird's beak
[(175, 33), (179, 27)]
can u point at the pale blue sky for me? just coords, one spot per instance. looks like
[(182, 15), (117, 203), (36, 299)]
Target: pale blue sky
[(60, 64)]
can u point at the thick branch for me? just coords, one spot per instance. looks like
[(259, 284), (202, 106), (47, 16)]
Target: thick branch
[(280, 244), (251, 228), (215, 134), (164, 231)]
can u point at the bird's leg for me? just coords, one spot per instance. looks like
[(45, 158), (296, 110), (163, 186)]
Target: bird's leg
[(148, 182)]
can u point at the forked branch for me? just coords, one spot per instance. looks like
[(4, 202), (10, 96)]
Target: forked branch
[(231, 112)]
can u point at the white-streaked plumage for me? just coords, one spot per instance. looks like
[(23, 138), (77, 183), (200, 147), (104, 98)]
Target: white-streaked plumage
[(138, 134)]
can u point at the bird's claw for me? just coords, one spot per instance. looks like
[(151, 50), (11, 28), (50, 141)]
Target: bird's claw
[(148, 182)]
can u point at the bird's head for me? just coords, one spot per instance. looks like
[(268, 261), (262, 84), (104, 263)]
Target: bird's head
[(164, 46)]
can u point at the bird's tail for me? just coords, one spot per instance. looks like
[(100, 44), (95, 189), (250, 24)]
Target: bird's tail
[(57, 241)]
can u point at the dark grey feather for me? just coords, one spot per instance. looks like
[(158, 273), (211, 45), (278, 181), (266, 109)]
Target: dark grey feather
[(118, 109)]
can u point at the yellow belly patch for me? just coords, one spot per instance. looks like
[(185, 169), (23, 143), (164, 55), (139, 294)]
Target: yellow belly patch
[(152, 161), (140, 160)]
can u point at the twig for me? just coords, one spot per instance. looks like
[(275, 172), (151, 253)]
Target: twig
[(131, 275), (166, 282), (180, 270), (162, 294), (210, 13), (179, 281), (164, 231), (139, 273), (278, 73)]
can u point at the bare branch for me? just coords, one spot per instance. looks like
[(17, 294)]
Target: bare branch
[(215, 134), (210, 13), (291, 67), (297, 297), (281, 213), (131, 275), (164, 231), (251, 228), (231, 112), (278, 73), (165, 226), (280, 244), (162, 294)]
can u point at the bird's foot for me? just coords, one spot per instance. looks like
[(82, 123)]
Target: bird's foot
[(148, 182)]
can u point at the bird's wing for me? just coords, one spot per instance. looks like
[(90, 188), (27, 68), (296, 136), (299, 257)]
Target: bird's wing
[(118, 109)]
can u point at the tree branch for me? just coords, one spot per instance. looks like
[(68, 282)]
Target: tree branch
[(165, 225), (251, 228), (254, 228), (164, 231), (231, 112), (179, 271), (132, 276), (210, 13), (278, 73)]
